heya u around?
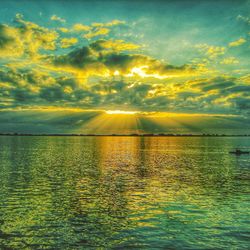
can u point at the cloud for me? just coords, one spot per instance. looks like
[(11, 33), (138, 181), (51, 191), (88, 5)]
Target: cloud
[(244, 19), (57, 18), (115, 22), (30, 38), (97, 32), (100, 59), (114, 45), (98, 29), (237, 43), (217, 83), (32, 88), (10, 43), (109, 24), (229, 61), (210, 51), (68, 42), (40, 68), (242, 103), (5, 38), (81, 61), (63, 29), (80, 27)]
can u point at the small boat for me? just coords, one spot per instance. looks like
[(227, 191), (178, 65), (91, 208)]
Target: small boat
[(239, 152)]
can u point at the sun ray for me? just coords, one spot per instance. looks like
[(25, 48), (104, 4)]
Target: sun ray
[(114, 123)]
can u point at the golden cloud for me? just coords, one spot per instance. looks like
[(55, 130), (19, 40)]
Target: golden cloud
[(210, 51), (80, 27), (57, 18), (11, 44), (109, 24), (64, 30), (237, 43), (68, 42), (114, 45), (97, 71), (230, 60), (33, 37), (97, 32)]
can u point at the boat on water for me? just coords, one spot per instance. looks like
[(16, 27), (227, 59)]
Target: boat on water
[(239, 152)]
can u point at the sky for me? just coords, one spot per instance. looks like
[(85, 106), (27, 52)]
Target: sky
[(125, 66)]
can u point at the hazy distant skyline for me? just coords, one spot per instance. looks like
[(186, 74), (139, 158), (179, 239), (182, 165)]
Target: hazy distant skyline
[(137, 59)]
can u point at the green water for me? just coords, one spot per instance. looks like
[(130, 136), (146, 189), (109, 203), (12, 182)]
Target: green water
[(123, 193)]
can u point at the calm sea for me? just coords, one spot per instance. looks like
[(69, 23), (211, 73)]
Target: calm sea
[(124, 193)]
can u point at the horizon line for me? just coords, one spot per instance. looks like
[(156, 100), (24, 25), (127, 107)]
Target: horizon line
[(132, 134)]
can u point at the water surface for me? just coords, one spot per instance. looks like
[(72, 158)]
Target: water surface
[(123, 193)]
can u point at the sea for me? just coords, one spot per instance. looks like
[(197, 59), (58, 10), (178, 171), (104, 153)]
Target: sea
[(124, 192)]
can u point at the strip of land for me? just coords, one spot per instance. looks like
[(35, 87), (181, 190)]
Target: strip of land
[(140, 135)]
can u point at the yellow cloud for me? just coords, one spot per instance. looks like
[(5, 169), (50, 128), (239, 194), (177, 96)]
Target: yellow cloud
[(108, 24), (80, 27), (130, 66), (42, 40), (116, 45), (64, 30), (57, 18), (121, 45), (115, 22), (211, 51), (33, 37), (97, 24), (237, 42), (98, 32), (68, 42), (11, 45), (67, 90), (97, 28), (230, 60), (245, 78), (47, 41)]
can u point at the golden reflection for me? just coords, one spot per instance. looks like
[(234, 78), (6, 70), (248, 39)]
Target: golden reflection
[(150, 170), (152, 180)]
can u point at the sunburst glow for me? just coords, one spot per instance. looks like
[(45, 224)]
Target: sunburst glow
[(122, 112), (141, 72), (121, 70)]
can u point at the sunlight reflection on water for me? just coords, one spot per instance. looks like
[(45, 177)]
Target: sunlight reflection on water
[(123, 192)]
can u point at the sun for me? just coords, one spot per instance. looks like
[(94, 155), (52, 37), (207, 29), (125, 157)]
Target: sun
[(120, 112)]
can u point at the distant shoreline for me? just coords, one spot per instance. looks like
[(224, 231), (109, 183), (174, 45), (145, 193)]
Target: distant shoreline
[(128, 135)]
